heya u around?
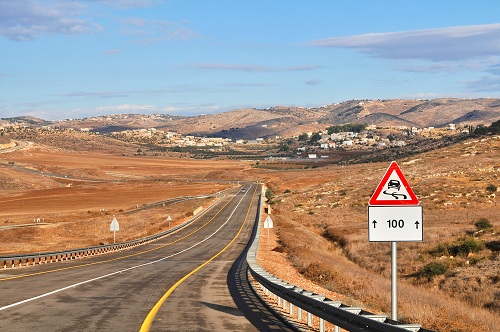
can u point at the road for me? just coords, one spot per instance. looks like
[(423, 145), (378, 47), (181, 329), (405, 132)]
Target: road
[(19, 146), (192, 280)]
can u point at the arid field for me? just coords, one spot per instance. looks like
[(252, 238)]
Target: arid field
[(448, 282)]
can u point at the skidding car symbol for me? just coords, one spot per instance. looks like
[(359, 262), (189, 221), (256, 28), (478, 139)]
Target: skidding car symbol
[(394, 184)]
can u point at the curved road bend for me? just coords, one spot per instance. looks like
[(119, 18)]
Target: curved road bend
[(184, 276)]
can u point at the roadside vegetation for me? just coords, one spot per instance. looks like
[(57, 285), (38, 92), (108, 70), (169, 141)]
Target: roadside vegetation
[(448, 282)]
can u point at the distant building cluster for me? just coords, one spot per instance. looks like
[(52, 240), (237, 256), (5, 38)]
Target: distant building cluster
[(307, 144)]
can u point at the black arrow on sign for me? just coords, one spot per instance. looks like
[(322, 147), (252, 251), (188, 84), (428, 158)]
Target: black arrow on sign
[(417, 223), (374, 224)]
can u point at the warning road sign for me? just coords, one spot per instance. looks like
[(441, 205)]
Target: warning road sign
[(393, 189)]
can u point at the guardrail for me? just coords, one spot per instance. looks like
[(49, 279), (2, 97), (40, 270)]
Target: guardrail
[(299, 302), (12, 261)]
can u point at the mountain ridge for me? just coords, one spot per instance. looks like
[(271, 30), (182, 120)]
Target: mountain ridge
[(287, 121)]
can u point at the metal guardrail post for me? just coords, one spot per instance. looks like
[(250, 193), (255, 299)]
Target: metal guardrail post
[(341, 316), (50, 257)]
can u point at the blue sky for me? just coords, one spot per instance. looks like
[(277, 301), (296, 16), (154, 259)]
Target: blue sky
[(65, 59)]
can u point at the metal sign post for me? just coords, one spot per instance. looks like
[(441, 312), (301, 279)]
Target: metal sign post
[(394, 281), (393, 216)]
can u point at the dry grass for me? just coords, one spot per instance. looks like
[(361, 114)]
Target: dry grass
[(320, 217), (78, 212), (320, 220)]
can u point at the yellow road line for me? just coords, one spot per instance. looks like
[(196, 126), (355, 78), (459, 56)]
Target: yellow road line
[(118, 258), (148, 321)]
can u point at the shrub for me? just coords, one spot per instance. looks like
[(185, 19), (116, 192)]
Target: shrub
[(269, 194), (318, 272), (280, 249), (335, 236), (433, 269), (461, 247), (483, 224), (491, 188), (493, 245), (440, 250), (467, 246)]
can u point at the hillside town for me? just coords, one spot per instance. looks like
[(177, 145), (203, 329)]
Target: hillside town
[(309, 145)]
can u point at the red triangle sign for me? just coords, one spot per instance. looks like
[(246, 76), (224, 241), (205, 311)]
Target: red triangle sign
[(393, 189)]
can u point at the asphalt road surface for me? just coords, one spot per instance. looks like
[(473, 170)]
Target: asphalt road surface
[(192, 280)]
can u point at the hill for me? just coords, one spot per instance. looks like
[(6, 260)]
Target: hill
[(287, 121)]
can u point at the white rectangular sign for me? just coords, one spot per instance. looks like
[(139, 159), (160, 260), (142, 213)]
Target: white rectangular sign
[(395, 223)]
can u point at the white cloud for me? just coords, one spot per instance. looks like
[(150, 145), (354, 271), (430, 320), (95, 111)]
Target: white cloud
[(181, 109), (487, 84), (314, 82), (443, 44), (128, 4), (252, 67), (126, 108), (114, 51), (245, 84), (156, 31), (24, 20), (98, 94)]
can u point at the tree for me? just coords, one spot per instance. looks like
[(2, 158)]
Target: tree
[(354, 127), (303, 137), (315, 137), (484, 130), (285, 145)]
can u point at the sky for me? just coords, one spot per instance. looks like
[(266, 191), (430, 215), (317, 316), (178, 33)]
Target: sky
[(73, 59)]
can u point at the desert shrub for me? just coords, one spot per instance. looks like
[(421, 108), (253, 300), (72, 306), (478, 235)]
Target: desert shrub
[(279, 248), (440, 250), (318, 272), (269, 194), (335, 236), (493, 245), (287, 191), (467, 246), (491, 188), (462, 247), (483, 224), (433, 269)]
